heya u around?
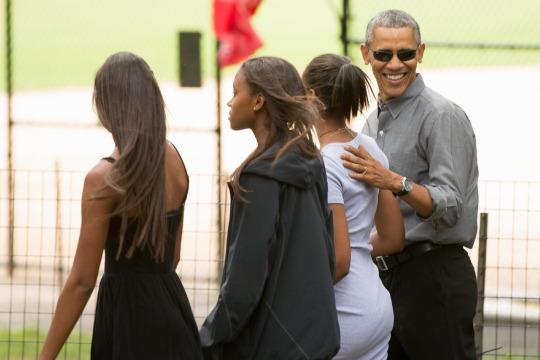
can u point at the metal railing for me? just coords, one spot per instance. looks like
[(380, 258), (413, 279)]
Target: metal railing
[(46, 207)]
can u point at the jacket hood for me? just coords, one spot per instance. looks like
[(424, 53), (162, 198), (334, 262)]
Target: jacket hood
[(292, 167)]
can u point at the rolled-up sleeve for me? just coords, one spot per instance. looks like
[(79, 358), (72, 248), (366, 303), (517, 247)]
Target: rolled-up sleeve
[(450, 148), (251, 233)]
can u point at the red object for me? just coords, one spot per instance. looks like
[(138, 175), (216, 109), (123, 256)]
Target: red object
[(237, 39)]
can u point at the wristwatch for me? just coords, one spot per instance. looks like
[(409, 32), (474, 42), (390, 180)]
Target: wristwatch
[(406, 187)]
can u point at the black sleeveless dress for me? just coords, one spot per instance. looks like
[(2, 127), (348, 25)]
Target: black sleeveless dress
[(142, 309)]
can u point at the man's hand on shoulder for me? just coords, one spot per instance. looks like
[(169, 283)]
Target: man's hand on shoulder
[(365, 168)]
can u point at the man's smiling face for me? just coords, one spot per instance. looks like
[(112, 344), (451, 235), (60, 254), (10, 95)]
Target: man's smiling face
[(394, 76)]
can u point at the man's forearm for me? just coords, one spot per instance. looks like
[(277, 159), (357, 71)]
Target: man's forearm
[(420, 200)]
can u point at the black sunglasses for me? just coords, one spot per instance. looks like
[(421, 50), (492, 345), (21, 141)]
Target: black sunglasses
[(387, 55)]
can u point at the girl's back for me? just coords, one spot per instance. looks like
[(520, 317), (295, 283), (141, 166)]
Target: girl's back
[(363, 304), (142, 309)]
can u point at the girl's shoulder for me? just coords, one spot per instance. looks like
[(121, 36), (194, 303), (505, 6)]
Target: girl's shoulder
[(333, 151), (337, 147), (96, 175), (360, 139), (95, 181), (372, 148)]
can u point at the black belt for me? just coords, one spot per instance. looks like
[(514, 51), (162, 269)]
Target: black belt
[(385, 263)]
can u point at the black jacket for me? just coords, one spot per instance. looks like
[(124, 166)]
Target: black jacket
[(276, 299)]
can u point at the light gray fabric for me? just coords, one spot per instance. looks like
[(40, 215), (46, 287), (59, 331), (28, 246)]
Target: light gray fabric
[(363, 304), (430, 140)]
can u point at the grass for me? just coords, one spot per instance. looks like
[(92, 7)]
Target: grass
[(62, 42), (509, 357), (26, 343)]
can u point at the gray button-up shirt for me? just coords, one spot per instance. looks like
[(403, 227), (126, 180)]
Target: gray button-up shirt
[(430, 140)]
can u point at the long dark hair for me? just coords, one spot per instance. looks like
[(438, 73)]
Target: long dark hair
[(291, 115), (341, 86), (129, 104)]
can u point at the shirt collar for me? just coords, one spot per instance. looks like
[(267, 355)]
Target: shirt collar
[(395, 105)]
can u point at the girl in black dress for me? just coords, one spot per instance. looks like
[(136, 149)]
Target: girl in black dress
[(132, 207)]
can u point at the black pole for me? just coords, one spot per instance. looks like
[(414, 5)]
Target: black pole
[(345, 27), (219, 167), (9, 90), (481, 281)]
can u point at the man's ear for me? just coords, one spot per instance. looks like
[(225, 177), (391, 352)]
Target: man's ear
[(365, 53), (311, 92), (420, 52), (259, 102)]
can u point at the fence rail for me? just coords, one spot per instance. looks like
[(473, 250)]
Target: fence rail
[(46, 223)]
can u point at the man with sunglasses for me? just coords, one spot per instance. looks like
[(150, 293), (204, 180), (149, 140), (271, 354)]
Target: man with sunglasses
[(431, 147)]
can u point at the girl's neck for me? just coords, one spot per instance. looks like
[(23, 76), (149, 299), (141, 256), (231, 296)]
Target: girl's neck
[(261, 131), (331, 131)]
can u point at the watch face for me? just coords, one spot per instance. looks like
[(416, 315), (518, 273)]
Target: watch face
[(407, 186)]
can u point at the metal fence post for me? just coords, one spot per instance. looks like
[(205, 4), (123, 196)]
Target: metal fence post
[(10, 173), (59, 268), (481, 280), (221, 237), (344, 20)]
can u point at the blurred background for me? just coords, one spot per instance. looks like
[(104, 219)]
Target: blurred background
[(482, 54)]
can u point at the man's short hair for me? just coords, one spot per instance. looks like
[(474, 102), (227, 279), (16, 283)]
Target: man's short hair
[(392, 19)]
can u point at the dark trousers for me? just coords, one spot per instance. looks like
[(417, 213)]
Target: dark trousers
[(434, 301)]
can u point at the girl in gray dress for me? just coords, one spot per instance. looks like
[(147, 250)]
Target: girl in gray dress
[(363, 304)]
